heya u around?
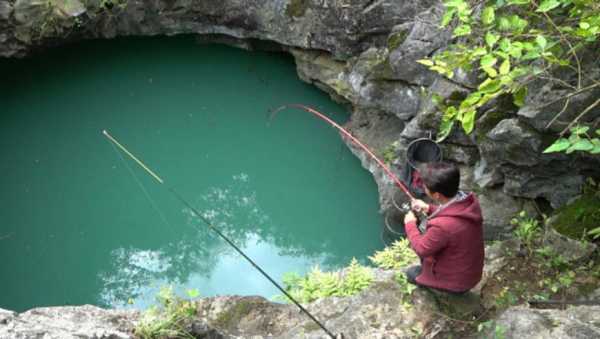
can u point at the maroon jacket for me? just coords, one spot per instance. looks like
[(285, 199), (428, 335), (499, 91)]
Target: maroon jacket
[(452, 247)]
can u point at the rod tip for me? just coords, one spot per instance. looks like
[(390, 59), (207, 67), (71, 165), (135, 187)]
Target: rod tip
[(104, 132)]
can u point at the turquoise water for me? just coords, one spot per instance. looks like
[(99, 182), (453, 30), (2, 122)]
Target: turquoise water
[(81, 225)]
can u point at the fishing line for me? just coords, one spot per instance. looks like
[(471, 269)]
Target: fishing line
[(217, 231), (349, 135), (142, 187)]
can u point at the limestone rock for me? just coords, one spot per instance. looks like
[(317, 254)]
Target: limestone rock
[(570, 249), (68, 323), (411, 42), (513, 142), (547, 182), (575, 322)]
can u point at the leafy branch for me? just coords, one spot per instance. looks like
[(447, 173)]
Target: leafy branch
[(510, 43)]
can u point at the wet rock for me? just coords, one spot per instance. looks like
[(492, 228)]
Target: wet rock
[(68, 322), (575, 322)]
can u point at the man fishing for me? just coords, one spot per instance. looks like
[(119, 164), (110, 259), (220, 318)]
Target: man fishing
[(451, 245)]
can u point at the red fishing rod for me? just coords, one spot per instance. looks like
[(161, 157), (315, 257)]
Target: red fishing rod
[(345, 132)]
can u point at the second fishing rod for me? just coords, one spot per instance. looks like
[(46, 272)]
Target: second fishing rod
[(217, 231)]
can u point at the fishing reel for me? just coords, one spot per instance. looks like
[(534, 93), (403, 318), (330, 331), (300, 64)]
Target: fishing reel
[(421, 216)]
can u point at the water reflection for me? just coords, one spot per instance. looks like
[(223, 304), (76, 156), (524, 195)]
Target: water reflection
[(205, 262)]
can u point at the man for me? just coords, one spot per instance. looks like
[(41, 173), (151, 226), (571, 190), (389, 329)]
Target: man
[(451, 247)]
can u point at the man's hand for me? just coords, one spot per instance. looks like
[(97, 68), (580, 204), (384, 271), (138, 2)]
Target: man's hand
[(419, 206), (410, 216)]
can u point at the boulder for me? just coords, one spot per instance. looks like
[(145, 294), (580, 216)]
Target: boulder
[(69, 322), (572, 323), (569, 249)]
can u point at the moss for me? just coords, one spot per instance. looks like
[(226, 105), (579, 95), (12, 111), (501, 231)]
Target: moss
[(311, 326), (234, 314), (583, 214), (396, 39), (296, 8)]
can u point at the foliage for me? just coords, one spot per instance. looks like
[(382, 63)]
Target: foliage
[(168, 319), (396, 256), (526, 229), (490, 326), (318, 284), (389, 154), (511, 43), (406, 288), (579, 140)]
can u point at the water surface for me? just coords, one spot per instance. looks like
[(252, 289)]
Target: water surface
[(80, 224)]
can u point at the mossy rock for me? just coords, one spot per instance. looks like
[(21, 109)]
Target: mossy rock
[(578, 217), (233, 315), (396, 39), (296, 8)]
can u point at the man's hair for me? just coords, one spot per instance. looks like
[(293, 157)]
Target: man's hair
[(441, 177)]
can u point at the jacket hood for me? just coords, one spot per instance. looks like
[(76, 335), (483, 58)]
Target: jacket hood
[(466, 208)]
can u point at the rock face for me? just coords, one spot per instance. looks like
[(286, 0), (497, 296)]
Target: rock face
[(575, 322), (364, 54), (67, 323)]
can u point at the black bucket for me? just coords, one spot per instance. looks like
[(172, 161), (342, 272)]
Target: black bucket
[(422, 151)]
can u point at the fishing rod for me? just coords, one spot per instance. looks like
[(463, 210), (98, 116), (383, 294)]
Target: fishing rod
[(217, 231), (345, 132)]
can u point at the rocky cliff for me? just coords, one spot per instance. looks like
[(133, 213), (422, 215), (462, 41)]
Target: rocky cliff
[(363, 53)]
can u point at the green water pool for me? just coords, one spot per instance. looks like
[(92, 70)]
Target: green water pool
[(81, 225)]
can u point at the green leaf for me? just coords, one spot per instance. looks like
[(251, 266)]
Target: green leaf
[(505, 67), (445, 129), (596, 150), (519, 96), (598, 131), (517, 23), (504, 24), (488, 61), (462, 30), (584, 25), (541, 41), (582, 145), (468, 121), (488, 15), (579, 130), (448, 16), (558, 146), (425, 62), (490, 71), (491, 39), (490, 86), (547, 5), (505, 45), (471, 100)]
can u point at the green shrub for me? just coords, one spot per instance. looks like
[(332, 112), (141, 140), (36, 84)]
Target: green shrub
[(169, 319), (396, 256), (318, 284), (527, 230)]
